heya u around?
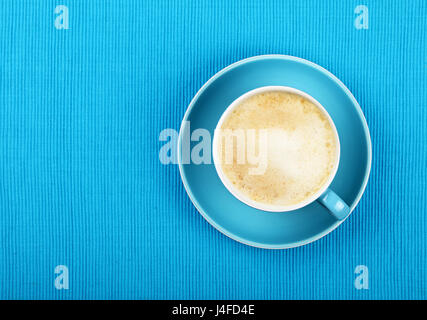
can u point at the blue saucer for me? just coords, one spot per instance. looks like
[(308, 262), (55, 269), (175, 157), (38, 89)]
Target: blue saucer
[(271, 229)]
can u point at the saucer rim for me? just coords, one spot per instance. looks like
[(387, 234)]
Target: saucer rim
[(230, 234)]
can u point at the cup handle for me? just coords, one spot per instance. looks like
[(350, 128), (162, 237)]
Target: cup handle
[(336, 206)]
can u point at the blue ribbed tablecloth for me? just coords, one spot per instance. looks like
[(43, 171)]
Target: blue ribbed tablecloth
[(81, 183)]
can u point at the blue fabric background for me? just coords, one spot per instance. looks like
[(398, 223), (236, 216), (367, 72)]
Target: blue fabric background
[(81, 183)]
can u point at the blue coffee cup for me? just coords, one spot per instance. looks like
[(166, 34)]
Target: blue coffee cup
[(327, 197)]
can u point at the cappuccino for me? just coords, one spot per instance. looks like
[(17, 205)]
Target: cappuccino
[(277, 148)]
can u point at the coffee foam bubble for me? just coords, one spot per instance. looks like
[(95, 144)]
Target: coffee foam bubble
[(299, 149)]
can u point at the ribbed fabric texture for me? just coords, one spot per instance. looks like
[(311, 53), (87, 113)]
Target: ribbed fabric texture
[(81, 183)]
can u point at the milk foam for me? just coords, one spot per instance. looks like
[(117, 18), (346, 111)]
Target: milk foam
[(300, 148)]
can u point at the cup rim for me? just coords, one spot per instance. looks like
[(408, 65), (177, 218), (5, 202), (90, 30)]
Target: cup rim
[(240, 195)]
